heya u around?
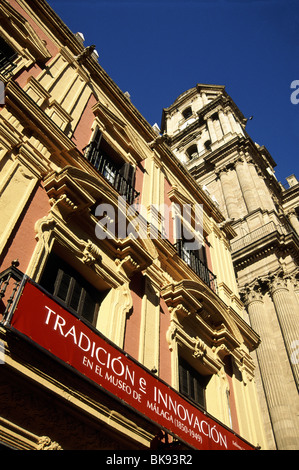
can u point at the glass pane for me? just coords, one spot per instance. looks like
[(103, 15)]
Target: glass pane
[(75, 297), (64, 281), (109, 174), (192, 385), (183, 380), (88, 308)]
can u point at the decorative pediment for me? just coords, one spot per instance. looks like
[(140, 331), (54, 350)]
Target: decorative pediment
[(128, 140), (23, 32), (176, 196), (200, 303), (65, 194), (73, 192), (200, 325), (180, 301), (108, 117)]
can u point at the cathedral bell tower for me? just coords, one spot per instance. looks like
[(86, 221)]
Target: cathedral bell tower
[(207, 132)]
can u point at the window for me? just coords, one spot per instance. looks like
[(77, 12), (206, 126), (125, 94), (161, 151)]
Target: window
[(190, 256), (192, 151), (197, 260), (208, 144), (187, 112), (192, 384), (110, 165), (7, 55), (71, 289)]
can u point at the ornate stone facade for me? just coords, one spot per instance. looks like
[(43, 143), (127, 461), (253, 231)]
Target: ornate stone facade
[(238, 176), (93, 200)]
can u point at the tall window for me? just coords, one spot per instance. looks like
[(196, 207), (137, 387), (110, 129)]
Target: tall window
[(192, 383), (192, 151), (71, 289), (197, 260), (193, 257), (110, 165), (7, 55), (187, 112)]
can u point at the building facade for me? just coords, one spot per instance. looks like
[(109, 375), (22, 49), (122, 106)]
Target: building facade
[(207, 132), (121, 320)]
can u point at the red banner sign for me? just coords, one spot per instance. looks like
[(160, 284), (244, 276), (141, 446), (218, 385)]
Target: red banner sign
[(46, 323)]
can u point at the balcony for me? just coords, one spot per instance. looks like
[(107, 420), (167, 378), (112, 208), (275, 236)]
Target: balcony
[(256, 235), (82, 350), (10, 281), (191, 257), (120, 179)]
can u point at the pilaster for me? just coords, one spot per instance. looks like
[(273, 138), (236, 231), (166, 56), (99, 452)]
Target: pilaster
[(246, 185), (292, 216), (228, 195), (271, 370), (287, 317)]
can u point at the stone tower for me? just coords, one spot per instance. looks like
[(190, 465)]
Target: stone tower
[(207, 133)]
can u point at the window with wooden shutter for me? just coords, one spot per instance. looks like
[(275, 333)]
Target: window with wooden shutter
[(71, 289), (192, 383)]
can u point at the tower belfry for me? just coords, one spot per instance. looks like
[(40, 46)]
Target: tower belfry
[(207, 132)]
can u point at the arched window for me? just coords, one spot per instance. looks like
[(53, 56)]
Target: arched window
[(192, 151), (207, 144), (187, 112)]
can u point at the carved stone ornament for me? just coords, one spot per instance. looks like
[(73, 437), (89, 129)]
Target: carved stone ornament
[(200, 348), (91, 253), (278, 282), (128, 263), (45, 443), (180, 310), (221, 351), (252, 293), (170, 336)]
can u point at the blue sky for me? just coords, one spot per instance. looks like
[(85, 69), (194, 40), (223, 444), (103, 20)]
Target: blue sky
[(157, 49)]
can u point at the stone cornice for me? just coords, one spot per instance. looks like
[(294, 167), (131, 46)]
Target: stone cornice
[(98, 74), (17, 98), (188, 299)]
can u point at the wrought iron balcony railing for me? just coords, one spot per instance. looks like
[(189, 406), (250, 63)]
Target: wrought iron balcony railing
[(10, 281), (191, 257), (102, 163)]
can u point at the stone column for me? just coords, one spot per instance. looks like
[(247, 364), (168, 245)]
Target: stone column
[(287, 316), (296, 287), (228, 195), (293, 219), (264, 194), (246, 185), (271, 372), (224, 122), (234, 124), (211, 129)]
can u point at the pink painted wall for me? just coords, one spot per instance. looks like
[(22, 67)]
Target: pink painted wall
[(51, 46), (131, 342), (22, 242), (82, 133)]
